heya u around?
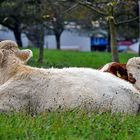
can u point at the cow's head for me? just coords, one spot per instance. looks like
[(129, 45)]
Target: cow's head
[(133, 69), (11, 57)]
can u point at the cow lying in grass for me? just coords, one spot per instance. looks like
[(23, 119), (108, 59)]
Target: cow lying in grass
[(35, 90)]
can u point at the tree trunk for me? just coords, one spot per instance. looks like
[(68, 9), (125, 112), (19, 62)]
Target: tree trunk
[(108, 40), (113, 41), (58, 41), (41, 54), (40, 43), (35, 33), (17, 35), (139, 49)]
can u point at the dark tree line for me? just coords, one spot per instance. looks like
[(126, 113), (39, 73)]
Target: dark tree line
[(33, 17)]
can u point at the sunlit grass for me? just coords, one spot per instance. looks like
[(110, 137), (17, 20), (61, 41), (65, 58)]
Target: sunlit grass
[(53, 58), (70, 125)]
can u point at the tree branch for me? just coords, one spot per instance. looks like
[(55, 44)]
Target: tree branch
[(71, 8), (4, 23), (127, 21), (7, 25), (90, 6)]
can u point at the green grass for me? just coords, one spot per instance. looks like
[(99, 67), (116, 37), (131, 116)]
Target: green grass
[(71, 125), (61, 59)]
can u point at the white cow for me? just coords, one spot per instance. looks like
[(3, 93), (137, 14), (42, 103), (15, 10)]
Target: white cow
[(35, 90)]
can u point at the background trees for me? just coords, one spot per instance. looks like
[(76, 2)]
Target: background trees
[(24, 16), (53, 13), (115, 13), (10, 16), (36, 17)]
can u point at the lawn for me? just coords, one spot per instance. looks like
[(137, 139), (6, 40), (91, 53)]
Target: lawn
[(73, 124), (61, 59), (70, 125)]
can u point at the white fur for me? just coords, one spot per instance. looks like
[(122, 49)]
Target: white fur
[(51, 89), (133, 67), (35, 90)]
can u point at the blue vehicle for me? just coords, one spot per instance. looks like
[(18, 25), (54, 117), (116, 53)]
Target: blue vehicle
[(99, 43)]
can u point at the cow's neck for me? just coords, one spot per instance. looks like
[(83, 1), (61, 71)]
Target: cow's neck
[(6, 74)]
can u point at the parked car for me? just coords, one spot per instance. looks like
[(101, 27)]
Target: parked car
[(123, 46)]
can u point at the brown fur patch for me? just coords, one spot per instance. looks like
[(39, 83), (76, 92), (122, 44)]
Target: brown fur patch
[(120, 71)]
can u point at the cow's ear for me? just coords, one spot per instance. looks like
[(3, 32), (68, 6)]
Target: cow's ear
[(25, 55), (1, 57)]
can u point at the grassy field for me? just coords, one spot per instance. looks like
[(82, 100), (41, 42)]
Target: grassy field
[(71, 125), (61, 59)]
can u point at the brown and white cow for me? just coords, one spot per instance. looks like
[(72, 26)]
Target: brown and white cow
[(119, 70), (35, 90)]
